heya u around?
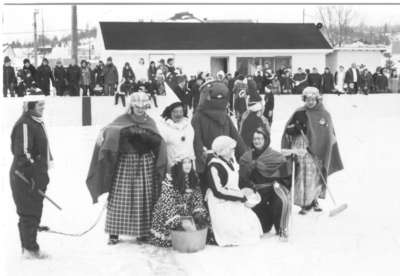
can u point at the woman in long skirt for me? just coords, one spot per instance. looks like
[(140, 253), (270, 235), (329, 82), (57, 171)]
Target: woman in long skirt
[(311, 128), (233, 223), (129, 163)]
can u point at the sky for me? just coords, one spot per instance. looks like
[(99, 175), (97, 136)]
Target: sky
[(17, 20)]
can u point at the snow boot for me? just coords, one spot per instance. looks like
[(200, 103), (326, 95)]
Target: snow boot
[(113, 239), (34, 255), (316, 206)]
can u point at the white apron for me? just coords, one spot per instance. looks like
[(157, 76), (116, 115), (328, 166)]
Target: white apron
[(232, 222)]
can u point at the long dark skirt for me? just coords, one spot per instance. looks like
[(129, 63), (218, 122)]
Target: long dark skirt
[(132, 196)]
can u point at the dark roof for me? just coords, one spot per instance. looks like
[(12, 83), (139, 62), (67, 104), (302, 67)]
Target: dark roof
[(211, 36)]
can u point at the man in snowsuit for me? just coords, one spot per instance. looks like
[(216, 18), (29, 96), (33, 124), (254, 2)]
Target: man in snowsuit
[(30, 147), (44, 75), (211, 120)]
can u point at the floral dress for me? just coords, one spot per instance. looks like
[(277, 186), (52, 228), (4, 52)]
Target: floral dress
[(170, 207)]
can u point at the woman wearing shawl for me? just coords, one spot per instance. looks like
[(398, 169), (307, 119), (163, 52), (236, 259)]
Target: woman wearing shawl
[(233, 223), (180, 196), (311, 128), (129, 162), (268, 172)]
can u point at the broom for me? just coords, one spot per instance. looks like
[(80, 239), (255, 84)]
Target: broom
[(338, 208)]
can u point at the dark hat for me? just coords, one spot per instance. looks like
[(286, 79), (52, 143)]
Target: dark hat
[(6, 59), (26, 60), (109, 59), (180, 79), (45, 60), (216, 89)]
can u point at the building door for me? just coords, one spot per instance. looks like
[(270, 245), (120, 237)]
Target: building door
[(218, 64)]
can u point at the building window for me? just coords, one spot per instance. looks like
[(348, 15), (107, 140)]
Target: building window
[(248, 65)]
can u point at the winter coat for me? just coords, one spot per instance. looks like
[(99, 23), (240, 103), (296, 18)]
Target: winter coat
[(327, 83), (349, 78), (99, 75), (60, 76), (128, 75), (151, 73), (44, 75), (381, 83), (85, 76), (178, 138), (32, 70), (73, 75), (110, 74), (9, 75), (366, 82), (300, 82), (315, 80)]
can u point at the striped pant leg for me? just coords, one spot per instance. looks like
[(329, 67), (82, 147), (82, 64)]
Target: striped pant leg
[(284, 196)]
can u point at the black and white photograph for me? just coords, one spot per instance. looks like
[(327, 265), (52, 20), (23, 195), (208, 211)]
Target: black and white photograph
[(200, 138)]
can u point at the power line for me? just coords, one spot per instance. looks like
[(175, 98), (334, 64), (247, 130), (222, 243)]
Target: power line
[(47, 31)]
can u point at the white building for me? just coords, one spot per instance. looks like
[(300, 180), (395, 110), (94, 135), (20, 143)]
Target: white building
[(369, 55), (211, 47)]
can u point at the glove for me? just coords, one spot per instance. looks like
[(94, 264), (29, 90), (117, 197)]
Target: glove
[(200, 220), (300, 127)]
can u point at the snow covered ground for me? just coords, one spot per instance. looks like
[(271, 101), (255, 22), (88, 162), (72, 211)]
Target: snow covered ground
[(363, 240)]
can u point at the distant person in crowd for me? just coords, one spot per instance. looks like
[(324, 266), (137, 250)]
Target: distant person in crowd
[(152, 72), (110, 78), (180, 197), (85, 77), (220, 75), (196, 91), (128, 79), (275, 85), (177, 132), (9, 78), (233, 223), (366, 82), (315, 79), (300, 81), (231, 83), (191, 83), (269, 100), (253, 119), (352, 79), (269, 173), (74, 78), (171, 66), (92, 85), (311, 129), (44, 75), (99, 78), (32, 159), (280, 72), (27, 75), (259, 79), (60, 78), (394, 82), (141, 72), (328, 83), (163, 67), (20, 87), (119, 94), (286, 82), (182, 92), (340, 77), (252, 91), (240, 98), (160, 82), (29, 67), (268, 75), (133, 165), (381, 82)]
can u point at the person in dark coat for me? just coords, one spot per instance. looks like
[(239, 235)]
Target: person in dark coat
[(269, 99), (259, 79), (110, 78), (286, 82), (196, 91), (32, 158), (128, 80), (181, 91), (381, 82), (9, 78), (60, 78), (27, 75), (300, 81), (44, 75), (74, 77), (152, 71), (366, 82), (352, 79), (171, 66), (29, 67), (315, 79), (99, 76), (210, 121), (328, 84)]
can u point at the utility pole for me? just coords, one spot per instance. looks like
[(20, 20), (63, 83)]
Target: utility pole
[(35, 42), (74, 35), (304, 14)]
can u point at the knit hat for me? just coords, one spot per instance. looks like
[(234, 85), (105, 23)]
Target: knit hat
[(221, 143), (140, 99), (6, 59), (26, 60), (311, 91), (109, 59)]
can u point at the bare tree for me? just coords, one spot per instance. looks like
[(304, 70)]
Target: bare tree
[(337, 21)]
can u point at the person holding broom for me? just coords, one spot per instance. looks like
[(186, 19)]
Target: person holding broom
[(28, 174), (311, 128)]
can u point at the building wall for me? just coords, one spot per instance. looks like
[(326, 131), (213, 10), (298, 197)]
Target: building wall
[(371, 59), (191, 63)]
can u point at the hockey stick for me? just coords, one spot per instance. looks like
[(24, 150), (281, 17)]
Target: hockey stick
[(40, 192), (337, 209)]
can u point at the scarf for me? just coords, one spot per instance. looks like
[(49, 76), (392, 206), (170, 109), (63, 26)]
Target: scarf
[(49, 155)]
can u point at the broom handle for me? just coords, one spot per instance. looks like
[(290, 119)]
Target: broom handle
[(319, 171), (292, 193)]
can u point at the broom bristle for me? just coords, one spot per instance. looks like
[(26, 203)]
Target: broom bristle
[(337, 210)]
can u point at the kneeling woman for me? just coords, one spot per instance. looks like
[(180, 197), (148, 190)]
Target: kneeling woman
[(129, 162), (180, 196), (268, 172), (233, 223)]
